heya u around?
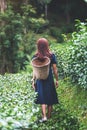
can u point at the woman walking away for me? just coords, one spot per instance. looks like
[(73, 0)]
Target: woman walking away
[(46, 88)]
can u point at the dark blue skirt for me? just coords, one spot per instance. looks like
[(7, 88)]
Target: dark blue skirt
[(46, 91)]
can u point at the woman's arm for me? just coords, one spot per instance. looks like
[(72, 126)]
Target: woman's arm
[(55, 71), (33, 81)]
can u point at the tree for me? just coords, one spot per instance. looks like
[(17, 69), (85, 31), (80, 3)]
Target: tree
[(2, 5), (45, 3), (10, 39), (15, 44)]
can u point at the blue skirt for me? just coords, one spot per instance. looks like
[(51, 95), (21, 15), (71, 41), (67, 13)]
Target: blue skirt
[(46, 91)]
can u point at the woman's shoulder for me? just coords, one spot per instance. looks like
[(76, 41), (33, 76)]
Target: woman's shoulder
[(53, 58), (52, 55)]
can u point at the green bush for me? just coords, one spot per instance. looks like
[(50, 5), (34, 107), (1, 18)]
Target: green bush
[(72, 56), (61, 51), (17, 107), (78, 65), (56, 33), (19, 112), (16, 37), (11, 33), (77, 62)]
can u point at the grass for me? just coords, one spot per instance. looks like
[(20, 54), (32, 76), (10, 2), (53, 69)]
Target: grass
[(74, 100)]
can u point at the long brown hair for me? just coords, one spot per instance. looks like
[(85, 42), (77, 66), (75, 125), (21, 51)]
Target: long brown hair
[(43, 49)]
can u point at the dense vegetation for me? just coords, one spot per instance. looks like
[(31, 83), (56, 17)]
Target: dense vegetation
[(19, 30), (72, 59), (18, 111)]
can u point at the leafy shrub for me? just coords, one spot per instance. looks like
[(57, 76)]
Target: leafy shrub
[(68, 28), (56, 33), (30, 19), (15, 37), (61, 54), (17, 107), (72, 57), (78, 65), (29, 41), (11, 32), (77, 62), (19, 112)]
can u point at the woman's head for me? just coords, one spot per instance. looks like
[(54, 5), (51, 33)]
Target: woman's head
[(43, 48)]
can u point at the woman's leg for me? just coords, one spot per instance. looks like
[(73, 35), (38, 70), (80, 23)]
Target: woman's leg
[(43, 106), (49, 111)]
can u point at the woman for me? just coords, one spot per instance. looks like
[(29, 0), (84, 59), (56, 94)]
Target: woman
[(45, 89)]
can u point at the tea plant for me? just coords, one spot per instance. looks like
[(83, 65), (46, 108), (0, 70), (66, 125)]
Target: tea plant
[(19, 112), (61, 52), (17, 108), (77, 62), (72, 58)]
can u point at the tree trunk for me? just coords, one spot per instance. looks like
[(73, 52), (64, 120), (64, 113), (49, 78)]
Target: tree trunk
[(3, 5), (67, 12), (25, 1), (6, 66), (46, 11)]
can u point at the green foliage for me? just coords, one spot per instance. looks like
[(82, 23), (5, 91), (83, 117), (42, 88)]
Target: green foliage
[(29, 41), (77, 61), (78, 65), (61, 51), (74, 100), (17, 107), (16, 39), (44, 1), (72, 57), (11, 31), (56, 33), (18, 110), (61, 119), (30, 19)]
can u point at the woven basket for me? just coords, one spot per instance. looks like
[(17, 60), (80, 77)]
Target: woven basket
[(40, 69)]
